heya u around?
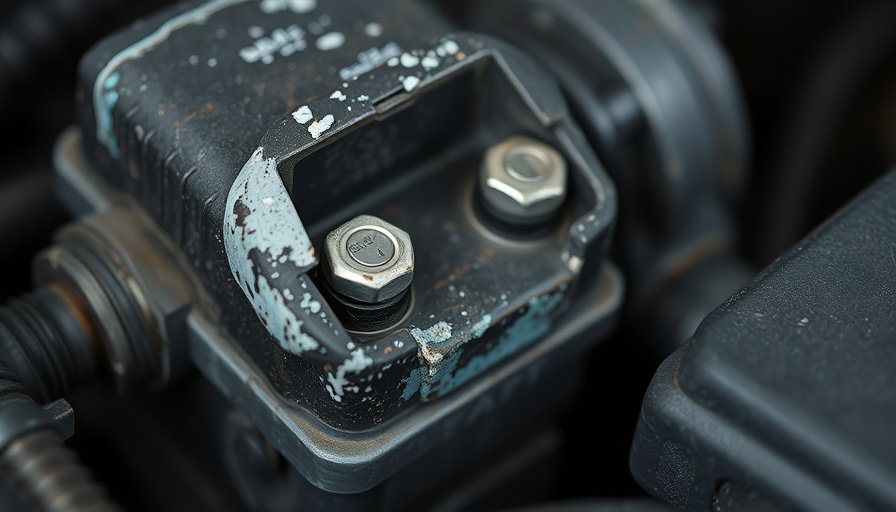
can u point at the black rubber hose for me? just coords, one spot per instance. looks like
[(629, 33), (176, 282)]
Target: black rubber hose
[(43, 343), (46, 343), (11, 390)]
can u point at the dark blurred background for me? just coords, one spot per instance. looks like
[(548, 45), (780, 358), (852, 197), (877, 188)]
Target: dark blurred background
[(821, 96)]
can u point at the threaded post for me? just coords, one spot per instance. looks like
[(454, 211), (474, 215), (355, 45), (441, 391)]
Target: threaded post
[(48, 475)]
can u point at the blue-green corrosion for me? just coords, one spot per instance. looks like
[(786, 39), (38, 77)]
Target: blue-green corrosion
[(481, 326), (110, 98), (529, 327)]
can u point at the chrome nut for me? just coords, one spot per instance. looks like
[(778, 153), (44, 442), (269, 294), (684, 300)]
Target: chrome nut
[(369, 260), (522, 180)]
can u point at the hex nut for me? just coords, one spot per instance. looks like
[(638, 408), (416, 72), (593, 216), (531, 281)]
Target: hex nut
[(522, 180), (369, 260)]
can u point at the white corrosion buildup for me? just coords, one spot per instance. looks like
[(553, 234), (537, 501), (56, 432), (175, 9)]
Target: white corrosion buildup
[(338, 384), (303, 114), (369, 59), (330, 41), (297, 6), (373, 29), (282, 41), (429, 62), (318, 127), (438, 333), (481, 326), (426, 339), (408, 60), (271, 226), (338, 95), (450, 47), (409, 83), (310, 303)]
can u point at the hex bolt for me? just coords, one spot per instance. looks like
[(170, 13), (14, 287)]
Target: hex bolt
[(522, 180), (369, 260)]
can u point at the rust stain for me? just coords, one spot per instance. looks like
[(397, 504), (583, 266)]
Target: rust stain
[(203, 113), (289, 94), (452, 276), (328, 368), (206, 110), (729, 170), (487, 254), (645, 25), (284, 375), (368, 277), (187, 119)]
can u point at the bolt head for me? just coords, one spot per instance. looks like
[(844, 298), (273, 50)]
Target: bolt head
[(523, 180), (369, 260)]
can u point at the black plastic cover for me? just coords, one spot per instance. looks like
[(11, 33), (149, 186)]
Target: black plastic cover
[(247, 130), (790, 386)]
